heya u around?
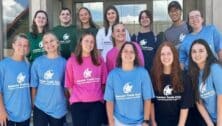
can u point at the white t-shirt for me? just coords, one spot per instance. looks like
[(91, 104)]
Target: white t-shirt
[(104, 42)]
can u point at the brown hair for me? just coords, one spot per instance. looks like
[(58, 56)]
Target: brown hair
[(157, 69), (94, 53)]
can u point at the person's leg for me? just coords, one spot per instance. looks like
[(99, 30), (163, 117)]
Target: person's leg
[(96, 114), (39, 117), (24, 123), (79, 114), (56, 122)]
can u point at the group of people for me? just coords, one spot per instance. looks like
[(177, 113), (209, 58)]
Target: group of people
[(108, 77)]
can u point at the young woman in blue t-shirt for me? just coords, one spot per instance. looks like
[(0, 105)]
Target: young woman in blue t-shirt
[(47, 82), (205, 72), (15, 98)]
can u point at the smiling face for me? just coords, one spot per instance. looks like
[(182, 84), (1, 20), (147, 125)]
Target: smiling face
[(50, 43), (65, 17), (195, 19), (40, 19), (145, 20), (84, 16), (119, 33), (199, 54), (175, 14), (111, 16), (128, 54), (21, 47), (166, 56), (88, 43)]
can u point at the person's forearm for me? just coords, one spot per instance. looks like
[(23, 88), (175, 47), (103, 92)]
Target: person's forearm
[(220, 55), (183, 117), (109, 109), (204, 113), (34, 90), (147, 109), (219, 110)]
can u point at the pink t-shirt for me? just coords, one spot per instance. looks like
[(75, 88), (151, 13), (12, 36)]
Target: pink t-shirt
[(112, 55), (85, 80)]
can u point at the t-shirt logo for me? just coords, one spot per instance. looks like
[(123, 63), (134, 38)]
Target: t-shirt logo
[(20, 78), (127, 88), (48, 75), (66, 36), (87, 73), (40, 44), (143, 42), (203, 87), (181, 37), (167, 90)]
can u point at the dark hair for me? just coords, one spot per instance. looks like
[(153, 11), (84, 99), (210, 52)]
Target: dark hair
[(148, 13), (136, 60), (188, 20), (91, 23), (193, 69), (106, 22), (157, 69), (65, 8), (174, 4), (94, 53), (113, 26), (35, 31)]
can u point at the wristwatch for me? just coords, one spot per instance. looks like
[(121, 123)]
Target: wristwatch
[(146, 121)]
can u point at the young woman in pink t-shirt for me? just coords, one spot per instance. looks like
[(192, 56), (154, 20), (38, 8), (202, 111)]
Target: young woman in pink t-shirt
[(119, 38), (85, 78)]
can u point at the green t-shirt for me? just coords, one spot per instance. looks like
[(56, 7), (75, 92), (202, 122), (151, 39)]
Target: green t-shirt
[(36, 46), (67, 38), (88, 30)]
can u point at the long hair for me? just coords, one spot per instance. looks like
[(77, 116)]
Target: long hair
[(91, 23), (157, 69), (94, 53), (106, 22), (148, 14), (193, 69), (35, 31), (136, 62), (113, 27)]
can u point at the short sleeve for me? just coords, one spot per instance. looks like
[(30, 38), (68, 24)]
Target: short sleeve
[(109, 91), (147, 88), (99, 38), (217, 39), (34, 74), (216, 72), (104, 71)]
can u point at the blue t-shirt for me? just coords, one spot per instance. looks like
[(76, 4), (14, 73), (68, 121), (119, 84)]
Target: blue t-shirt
[(128, 90), (15, 89), (210, 89), (209, 33), (148, 45), (47, 75)]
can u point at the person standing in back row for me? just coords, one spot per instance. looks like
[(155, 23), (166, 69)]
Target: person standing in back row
[(179, 28), (104, 36), (40, 25), (66, 33)]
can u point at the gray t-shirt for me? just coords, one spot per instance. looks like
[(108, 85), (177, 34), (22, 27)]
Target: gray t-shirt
[(176, 34)]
